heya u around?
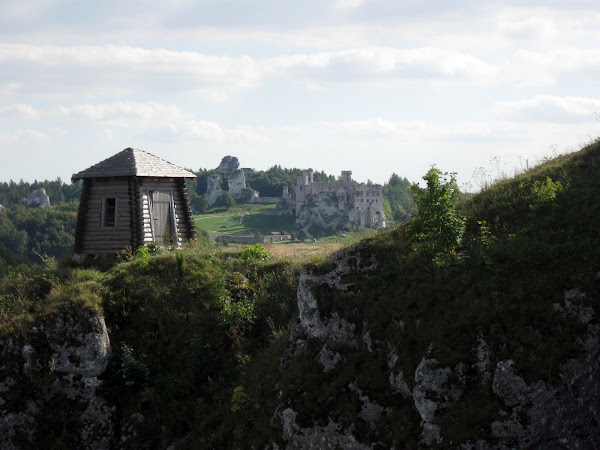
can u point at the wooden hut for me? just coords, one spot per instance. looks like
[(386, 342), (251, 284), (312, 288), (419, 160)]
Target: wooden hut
[(131, 199)]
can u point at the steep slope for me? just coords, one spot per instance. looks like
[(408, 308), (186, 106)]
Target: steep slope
[(494, 346)]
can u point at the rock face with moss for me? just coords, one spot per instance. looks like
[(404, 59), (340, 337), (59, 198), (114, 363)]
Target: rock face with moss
[(541, 413), (53, 374), (494, 344)]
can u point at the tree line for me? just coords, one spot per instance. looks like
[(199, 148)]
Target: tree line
[(398, 204), (269, 183), (29, 234), (13, 192)]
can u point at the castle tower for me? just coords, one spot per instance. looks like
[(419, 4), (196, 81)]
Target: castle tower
[(303, 187), (346, 175)]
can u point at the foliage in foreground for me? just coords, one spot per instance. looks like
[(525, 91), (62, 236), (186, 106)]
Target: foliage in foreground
[(522, 244), (183, 326)]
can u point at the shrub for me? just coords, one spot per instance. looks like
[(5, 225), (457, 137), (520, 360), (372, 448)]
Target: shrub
[(437, 223), (254, 253)]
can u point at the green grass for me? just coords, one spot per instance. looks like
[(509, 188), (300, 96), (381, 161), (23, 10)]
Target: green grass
[(260, 220)]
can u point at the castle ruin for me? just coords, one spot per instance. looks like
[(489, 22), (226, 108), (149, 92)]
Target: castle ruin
[(344, 204)]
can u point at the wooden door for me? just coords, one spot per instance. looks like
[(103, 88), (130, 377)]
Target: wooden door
[(161, 216)]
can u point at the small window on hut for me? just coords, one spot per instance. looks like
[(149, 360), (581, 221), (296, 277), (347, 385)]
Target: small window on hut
[(109, 210)]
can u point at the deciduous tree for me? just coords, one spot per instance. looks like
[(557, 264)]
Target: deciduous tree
[(437, 223)]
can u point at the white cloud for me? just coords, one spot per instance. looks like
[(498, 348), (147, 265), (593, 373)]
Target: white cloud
[(348, 4), (548, 26), (373, 127), (58, 132), (550, 108), (25, 10), (121, 113), (118, 71), (534, 68), (7, 137), (160, 121), (10, 89), (29, 135), (376, 63), (532, 28), (20, 111), (314, 83), (112, 66)]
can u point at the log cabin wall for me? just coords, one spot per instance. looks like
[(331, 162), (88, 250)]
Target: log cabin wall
[(181, 210), (81, 226), (189, 216), (100, 233), (136, 212)]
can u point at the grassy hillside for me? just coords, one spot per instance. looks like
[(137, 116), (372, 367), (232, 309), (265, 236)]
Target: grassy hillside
[(527, 241), (246, 219), (198, 333)]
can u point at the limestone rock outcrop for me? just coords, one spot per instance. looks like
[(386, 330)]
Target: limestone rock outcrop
[(330, 436), (325, 210), (58, 366), (229, 164), (38, 198), (212, 189), (542, 414), (237, 183), (550, 415)]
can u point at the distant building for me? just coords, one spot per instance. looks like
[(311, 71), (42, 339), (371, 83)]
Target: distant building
[(344, 204), (131, 199)]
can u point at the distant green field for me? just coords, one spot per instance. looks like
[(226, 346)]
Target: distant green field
[(233, 221)]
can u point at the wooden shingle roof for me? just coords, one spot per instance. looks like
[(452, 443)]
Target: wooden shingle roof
[(133, 162)]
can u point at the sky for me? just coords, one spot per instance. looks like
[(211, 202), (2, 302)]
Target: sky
[(480, 88)]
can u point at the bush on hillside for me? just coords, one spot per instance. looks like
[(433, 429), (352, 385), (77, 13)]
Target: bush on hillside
[(437, 224)]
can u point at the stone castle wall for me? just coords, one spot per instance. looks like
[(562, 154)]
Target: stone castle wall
[(266, 200), (344, 203)]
